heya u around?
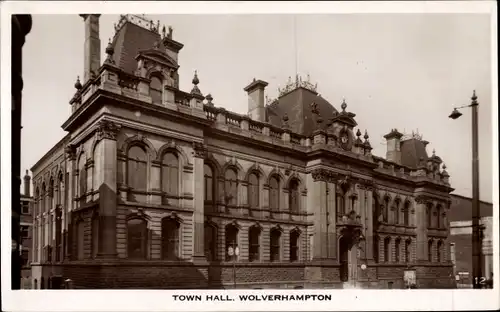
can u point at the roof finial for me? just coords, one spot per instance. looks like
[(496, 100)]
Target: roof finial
[(366, 135), (170, 32), (444, 166), (158, 26), (358, 133), (196, 81), (78, 84), (110, 51), (163, 31), (209, 99), (344, 105), (433, 152)]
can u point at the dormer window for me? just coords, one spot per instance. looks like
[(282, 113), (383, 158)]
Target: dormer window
[(155, 89)]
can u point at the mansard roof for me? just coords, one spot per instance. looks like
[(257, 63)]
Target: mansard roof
[(296, 104), (129, 41), (413, 153)]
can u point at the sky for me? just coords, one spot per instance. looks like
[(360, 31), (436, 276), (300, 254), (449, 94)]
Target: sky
[(404, 71)]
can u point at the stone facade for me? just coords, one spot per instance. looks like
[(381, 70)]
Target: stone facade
[(152, 190)]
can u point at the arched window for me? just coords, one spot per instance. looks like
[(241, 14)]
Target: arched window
[(293, 196), (340, 201), (376, 242), (406, 214), (397, 248), (274, 192), (137, 168), (387, 249), (95, 235), (397, 205), (209, 183), (275, 245), (82, 177), (386, 209), (439, 216), (429, 250), (80, 242), (155, 89), (254, 244), (294, 245), (42, 199), (51, 194), (231, 187), (137, 237), (407, 251), (210, 242), (170, 174), (429, 215), (231, 239), (37, 203), (170, 229), (438, 255), (253, 190)]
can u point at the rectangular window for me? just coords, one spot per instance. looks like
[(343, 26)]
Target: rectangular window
[(25, 208), (25, 232), (25, 258)]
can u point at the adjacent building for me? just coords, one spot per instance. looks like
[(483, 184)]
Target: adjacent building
[(461, 239), (153, 186), (26, 233)]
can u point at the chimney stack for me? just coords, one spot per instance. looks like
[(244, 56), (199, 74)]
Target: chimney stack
[(27, 182), (394, 146), (92, 47), (256, 105)]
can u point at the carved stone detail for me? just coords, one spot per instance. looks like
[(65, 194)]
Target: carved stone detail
[(199, 150), (70, 151), (107, 130)]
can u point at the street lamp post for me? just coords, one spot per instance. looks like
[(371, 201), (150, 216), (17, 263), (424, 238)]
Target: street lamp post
[(476, 230), (233, 251)]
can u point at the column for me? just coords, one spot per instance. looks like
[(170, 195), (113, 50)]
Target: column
[(107, 133), (70, 194), (199, 203), (332, 221), (369, 222), (421, 223), (318, 203)]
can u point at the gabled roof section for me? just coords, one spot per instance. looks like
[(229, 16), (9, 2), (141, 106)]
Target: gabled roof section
[(158, 56), (128, 41)]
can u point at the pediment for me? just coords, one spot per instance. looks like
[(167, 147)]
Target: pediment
[(157, 56), (346, 119)]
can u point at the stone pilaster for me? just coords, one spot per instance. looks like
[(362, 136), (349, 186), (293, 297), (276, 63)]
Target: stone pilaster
[(421, 223), (107, 133), (318, 204), (199, 202), (331, 221)]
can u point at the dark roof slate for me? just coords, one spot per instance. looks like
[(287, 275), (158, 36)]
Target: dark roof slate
[(297, 105), (461, 209), (411, 152)]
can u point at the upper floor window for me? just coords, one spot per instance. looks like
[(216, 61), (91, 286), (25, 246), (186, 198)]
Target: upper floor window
[(209, 183), (439, 247), (274, 193), (429, 215), (397, 204), (170, 174), (25, 232), (137, 168), (170, 229), (253, 190), (275, 245), (254, 244), (82, 177), (386, 208), (294, 197), (231, 187), (155, 89), (42, 198), (406, 214), (440, 222), (137, 231), (25, 207), (36, 203), (340, 203)]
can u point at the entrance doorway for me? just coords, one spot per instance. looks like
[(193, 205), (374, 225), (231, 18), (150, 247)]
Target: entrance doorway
[(344, 258)]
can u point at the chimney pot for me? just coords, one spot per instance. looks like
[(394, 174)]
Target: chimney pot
[(92, 46), (256, 100)]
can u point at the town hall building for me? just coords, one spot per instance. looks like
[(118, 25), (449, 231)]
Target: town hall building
[(153, 186)]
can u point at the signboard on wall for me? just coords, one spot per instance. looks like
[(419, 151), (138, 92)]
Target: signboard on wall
[(410, 278)]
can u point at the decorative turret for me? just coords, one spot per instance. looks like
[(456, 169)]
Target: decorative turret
[(445, 176), (78, 84), (196, 102), (195, 92), (366, 144), (209, 99), (110, 51)]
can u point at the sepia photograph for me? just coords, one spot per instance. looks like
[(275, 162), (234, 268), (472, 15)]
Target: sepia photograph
[(271, 156)]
